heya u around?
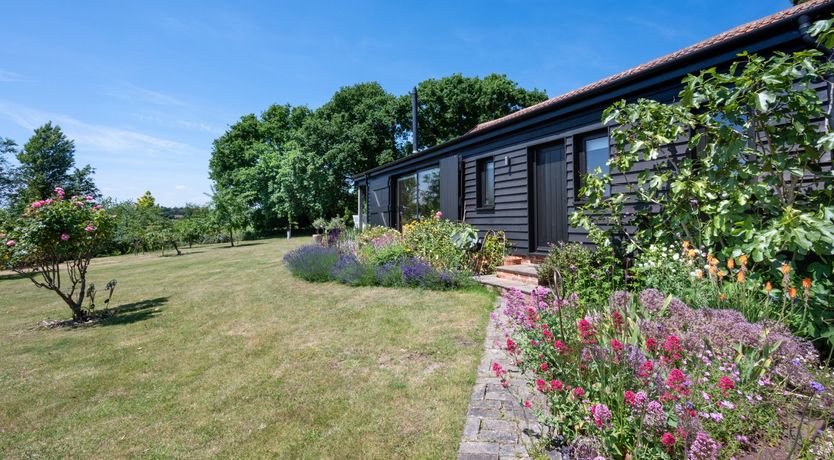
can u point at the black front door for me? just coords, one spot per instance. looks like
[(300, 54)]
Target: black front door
[(549, 204)]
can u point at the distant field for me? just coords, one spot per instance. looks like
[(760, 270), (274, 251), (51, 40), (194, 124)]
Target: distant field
[(221, 353)]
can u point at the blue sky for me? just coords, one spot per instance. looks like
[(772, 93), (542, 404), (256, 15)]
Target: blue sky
[(143, 88)]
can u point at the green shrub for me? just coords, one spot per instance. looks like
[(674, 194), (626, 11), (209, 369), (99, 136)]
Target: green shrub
[(592, 274), (493, 249), (442, 243)]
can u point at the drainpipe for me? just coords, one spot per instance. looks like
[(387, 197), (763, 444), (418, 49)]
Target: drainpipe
[(414, 120)]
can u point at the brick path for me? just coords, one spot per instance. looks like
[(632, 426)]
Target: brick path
[(497, 426)]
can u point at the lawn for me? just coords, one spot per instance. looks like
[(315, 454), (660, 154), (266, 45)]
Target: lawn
[(221, 353)]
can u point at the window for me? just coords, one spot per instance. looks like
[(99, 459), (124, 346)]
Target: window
[(486, 183), (592, 153), (418, 195)]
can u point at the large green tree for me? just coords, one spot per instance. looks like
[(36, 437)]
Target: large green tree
[(47, 161), (295, 164), (9, 180), (451, 106)]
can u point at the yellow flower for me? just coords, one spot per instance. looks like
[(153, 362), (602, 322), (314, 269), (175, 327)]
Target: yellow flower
[(686, 244), (742, 259), (731, 264), (692, 253), (740, 277), (785, 269), (712, 260), (721, 274)]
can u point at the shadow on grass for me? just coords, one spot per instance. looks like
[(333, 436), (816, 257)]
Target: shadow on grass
[(185, 252), (15, 276), (129, 313), (240, 245)]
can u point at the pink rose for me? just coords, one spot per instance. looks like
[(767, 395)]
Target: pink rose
[(438, 215), (64, 237), (10, 243), (89, 228), (89, 197), (59, 191)]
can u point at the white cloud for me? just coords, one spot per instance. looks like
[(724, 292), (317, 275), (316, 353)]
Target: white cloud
[(96, 137), (129, 91), (8, 77), (180, 187)]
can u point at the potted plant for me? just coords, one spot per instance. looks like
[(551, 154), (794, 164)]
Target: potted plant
[(334, 229), (319, 224)]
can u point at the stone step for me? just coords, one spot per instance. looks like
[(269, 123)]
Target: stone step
[(525, 273), (503, 284)]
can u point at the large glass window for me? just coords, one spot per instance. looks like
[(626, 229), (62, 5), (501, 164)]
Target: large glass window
[(593, 154), (418, 195), (486, 183)]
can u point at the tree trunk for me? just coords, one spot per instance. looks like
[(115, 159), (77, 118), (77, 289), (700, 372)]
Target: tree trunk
[(232, 237), (177, 248)]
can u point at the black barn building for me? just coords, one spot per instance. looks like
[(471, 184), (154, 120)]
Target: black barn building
[(521, 173)]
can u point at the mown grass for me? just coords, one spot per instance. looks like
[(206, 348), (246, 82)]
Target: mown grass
[(221, 353)]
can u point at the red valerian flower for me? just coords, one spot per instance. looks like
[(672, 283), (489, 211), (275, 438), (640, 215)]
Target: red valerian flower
[(676, 381), (541, 385), (616, 345), (511, 345), (651, 344), (544, 367), (630, 398), (557, 385), (586, 332), (528, 404), (725, 384), (668, 439), (646, 369), (672, 348), (560, 347), (578, 392)]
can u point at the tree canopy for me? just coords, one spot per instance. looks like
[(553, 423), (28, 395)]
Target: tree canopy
[(295, 164), (47, 161)]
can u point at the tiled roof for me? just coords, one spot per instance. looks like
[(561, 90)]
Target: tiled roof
[(719, 39)]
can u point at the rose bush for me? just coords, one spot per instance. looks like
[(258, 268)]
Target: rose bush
[(53, 242)]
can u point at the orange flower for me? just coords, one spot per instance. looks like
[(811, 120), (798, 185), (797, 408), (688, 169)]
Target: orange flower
[(699, 273), (722, 274), (686, 244), (712, 269), (692, 253), (731, 264), (723, 297), (768, 287), (712, 260), (792, 293), (740, 277), (785, 269), (742, 259), (806, 283)]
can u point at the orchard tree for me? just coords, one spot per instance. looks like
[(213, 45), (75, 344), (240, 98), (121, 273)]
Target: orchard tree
[(52, 244), (231, 211)]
